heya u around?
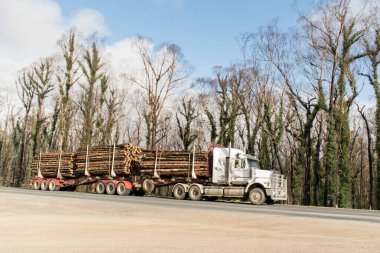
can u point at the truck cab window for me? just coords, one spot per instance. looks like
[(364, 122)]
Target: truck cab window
[(253, 164)]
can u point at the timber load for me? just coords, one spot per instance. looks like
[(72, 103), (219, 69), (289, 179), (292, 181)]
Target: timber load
[(173, 163), (100, 160), (50, 162)]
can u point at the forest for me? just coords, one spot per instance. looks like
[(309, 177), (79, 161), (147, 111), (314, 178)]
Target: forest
[(290, 98)]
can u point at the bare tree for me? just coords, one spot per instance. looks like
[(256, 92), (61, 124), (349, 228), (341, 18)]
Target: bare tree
[(228, 89), (188, 112), (68, 75), (93, 90), (335, 30), (41, 78), (372, 48), (26, 92), (113, 113), (370, 159), (164, 71)]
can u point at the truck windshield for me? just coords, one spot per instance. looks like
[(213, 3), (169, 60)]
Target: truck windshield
[(253, 163)]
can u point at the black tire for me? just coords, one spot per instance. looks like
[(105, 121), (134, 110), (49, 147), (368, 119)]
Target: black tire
[(44, 185), (195, 193), (179, 192), (122, 190), (148, 186), (100, 189), (111, 188), (53, 186), (257, 196), (36, 185)]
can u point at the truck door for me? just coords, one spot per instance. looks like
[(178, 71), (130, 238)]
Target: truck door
[(240, 173)]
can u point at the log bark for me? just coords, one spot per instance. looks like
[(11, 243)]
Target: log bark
[(173, 163), (51, 161)]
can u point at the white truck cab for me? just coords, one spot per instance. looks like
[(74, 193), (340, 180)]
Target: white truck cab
[(236, 175)]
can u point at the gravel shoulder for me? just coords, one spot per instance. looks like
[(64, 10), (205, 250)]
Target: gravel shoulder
[(46, 223)]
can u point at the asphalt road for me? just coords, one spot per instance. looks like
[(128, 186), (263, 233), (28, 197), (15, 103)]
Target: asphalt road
[(276, 210), (37, 221)]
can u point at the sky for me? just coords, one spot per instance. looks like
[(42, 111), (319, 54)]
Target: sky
[(205, 30)]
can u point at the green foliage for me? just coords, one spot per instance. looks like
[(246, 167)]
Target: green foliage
[(345, 186), (264, 153), (331, 165), (296, 184)]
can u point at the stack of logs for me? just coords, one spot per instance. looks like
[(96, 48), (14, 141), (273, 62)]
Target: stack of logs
[(50, 162), (124, 157), (173, 163)]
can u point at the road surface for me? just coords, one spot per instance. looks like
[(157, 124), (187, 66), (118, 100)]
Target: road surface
[(37, 221)]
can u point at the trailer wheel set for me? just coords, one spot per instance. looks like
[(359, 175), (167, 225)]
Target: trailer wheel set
[(110, 187), (181, 191), (256, 195)]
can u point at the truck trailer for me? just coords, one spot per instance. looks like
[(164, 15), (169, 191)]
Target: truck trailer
[(230, 173)]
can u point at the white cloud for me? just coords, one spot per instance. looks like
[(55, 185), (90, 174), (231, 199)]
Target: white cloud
[(90, 21), (124, 60), (29, 29), (124, 57), (363, 6)]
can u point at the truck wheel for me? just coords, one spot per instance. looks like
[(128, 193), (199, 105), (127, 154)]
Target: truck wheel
[(148, 185), (36, 185), (179, 192), (44, 185), (122, 190), (195, 192), (257, 196), (111, 189), (100, 189), (53, 186)]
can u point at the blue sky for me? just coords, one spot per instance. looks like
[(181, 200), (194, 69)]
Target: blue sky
[(205, 30)]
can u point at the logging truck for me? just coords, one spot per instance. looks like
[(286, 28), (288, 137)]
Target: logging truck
[(229, 173)]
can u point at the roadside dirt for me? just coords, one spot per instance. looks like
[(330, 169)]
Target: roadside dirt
[(31, 223)]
